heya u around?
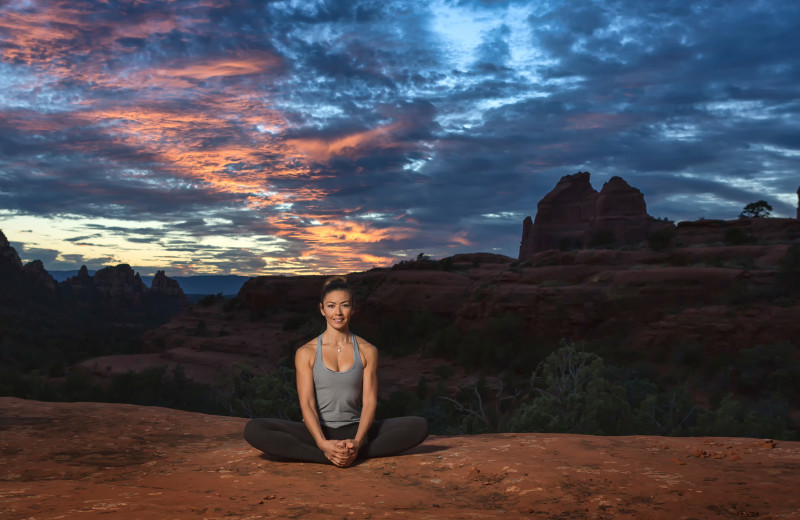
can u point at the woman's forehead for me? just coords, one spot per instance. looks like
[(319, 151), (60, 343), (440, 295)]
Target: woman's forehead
[(338, 296)]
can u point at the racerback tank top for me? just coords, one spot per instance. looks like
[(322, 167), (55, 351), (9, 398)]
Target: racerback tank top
[(338, 393)]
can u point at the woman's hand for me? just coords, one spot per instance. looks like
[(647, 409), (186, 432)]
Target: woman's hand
[(352, 446), (338, 452)]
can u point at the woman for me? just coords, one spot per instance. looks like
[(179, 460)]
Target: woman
[(337, 385)]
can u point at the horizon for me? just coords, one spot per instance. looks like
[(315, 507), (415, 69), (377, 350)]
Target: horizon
[(249, 138)]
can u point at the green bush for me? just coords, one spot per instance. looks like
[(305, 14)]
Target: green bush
[(661, 239), (768, 418), (272, 394), (734, 236), (573, 396)]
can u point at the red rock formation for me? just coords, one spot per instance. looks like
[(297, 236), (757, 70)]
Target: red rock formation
[(574, 215), (563, 215), (166, 286), (119, 281), (8, 254), (580, 295), (94, 459), (36, 272), (621, 210)]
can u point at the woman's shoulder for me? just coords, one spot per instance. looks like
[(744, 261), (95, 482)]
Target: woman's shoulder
[(306, 351), (367, 347)]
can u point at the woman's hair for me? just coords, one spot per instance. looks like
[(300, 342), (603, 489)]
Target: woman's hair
[(335, 283)]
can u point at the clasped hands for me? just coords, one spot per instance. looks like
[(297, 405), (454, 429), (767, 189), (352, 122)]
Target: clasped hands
[(341, 453)]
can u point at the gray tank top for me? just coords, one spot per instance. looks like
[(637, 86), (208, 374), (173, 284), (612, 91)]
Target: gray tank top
[(338, 393)]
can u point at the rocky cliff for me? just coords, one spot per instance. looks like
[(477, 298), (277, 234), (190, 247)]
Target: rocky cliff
[(16, 277), (574, 215), (79, 460)]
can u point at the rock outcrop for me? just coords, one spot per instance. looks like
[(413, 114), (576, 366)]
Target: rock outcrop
[(75, 460), (574, 216), (36, 272), (166, 286), (120, 284), (8, 254), (119, 281), (16, 277)]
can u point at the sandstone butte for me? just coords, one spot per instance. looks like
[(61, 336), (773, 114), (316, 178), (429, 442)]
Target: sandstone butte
[(96, 460)]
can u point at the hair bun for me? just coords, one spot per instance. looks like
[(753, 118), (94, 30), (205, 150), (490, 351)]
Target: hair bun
[(334, 279)]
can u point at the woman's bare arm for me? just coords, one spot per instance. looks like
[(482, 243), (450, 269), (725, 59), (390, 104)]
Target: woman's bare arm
[(369, 396)]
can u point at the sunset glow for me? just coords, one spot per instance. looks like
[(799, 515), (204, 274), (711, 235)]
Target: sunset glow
[(280, 137)]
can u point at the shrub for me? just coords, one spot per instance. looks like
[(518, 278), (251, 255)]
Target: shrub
[(603, 238), (247, 394), (661, 239), (574, 397), (735, 236)]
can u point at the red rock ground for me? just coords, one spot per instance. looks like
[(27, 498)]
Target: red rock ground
[(95, 460)]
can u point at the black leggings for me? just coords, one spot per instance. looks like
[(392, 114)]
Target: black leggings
[(291, 440)]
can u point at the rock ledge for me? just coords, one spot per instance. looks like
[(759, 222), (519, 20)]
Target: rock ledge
[(86, 460)]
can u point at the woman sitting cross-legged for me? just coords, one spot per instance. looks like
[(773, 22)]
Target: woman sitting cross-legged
[(337, 386)]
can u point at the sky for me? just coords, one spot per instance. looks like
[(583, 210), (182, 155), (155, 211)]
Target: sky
[(301, 136)]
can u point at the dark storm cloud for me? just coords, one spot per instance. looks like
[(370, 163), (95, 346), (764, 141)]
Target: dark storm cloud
[(397, 125)]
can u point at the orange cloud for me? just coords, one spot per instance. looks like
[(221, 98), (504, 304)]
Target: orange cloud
[(461, 239), (321, 150), (220, 67)]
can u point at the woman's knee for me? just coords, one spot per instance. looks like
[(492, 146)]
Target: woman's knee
[(419, 425), (251, 430)]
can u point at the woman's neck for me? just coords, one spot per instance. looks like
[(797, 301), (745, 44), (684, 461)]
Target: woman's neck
[(334, 336)]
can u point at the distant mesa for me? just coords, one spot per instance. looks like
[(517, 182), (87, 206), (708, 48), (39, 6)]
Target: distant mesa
[(114, 284), (575, 216), (121, 283)]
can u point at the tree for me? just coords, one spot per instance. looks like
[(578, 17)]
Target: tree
[(756, 210), (574, 396)]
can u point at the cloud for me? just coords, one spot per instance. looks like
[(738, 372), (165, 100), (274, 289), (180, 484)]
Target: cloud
[(305, 137)]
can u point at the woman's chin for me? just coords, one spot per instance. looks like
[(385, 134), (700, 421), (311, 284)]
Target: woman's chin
[(338, 325)]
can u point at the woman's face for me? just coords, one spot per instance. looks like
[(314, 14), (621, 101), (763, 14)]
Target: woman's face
[(337, 307)]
